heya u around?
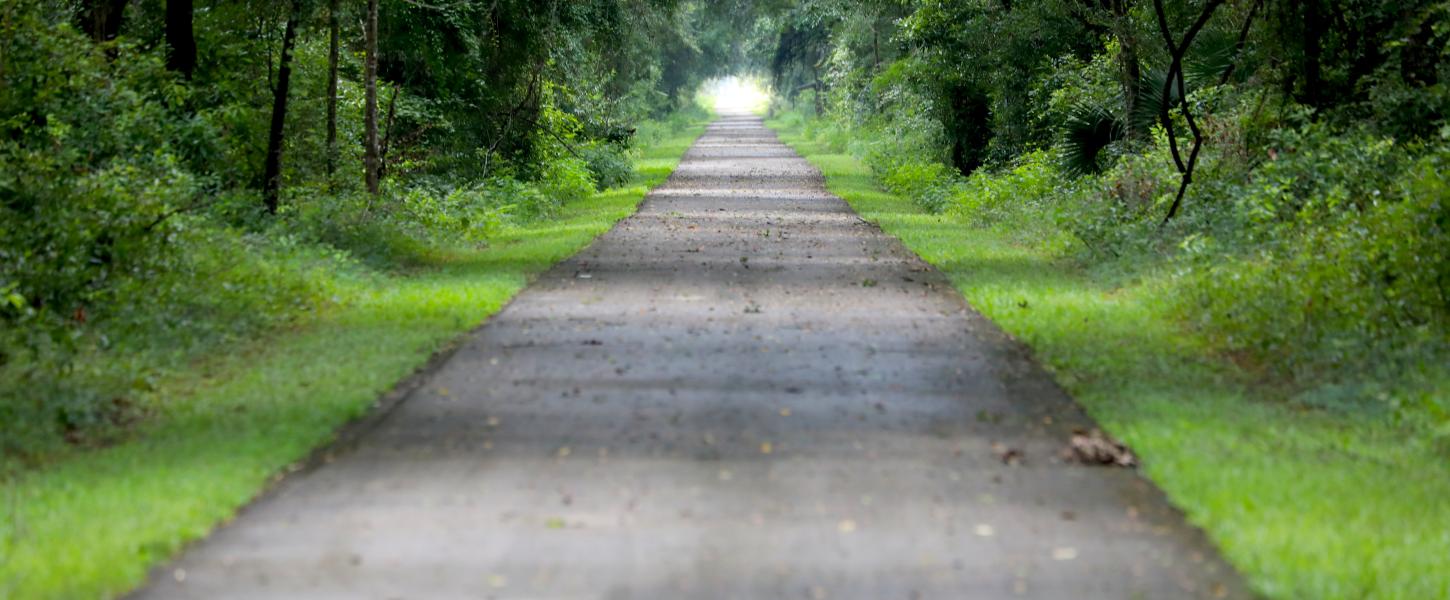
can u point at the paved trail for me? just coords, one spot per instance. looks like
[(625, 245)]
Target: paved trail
[(741, 392)]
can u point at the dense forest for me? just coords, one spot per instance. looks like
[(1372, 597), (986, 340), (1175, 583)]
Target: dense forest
[(180, 174)]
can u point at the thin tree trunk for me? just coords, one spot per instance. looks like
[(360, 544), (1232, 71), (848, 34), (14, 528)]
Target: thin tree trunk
[(1129, 67), (1243, 40), (272, 171), (1313, 49), (820, 89), (371, 162), (101, 18), (180, 37), (388, 131), (875, 47), (1174, 79), (332, 52), (508, 122)]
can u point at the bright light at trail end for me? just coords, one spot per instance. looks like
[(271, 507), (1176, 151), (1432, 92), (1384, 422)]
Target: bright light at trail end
[(737, 94)]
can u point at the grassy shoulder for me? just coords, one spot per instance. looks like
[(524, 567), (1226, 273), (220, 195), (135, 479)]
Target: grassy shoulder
[(92, 523), (1306, 503)]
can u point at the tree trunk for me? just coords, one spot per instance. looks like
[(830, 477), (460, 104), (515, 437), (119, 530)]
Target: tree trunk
[(1420, 56), (1129, 69), (332, 52), (388, 131), (180, 37), (101, 18), (820, 90), (1313, 49), (272, 171), (1243, 40), (371, 164), (875, 46), (1174, 80)]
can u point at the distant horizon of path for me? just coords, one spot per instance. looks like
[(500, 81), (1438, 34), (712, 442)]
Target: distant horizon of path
[(741, 391)]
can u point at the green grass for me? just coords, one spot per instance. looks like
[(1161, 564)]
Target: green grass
[(92, 523), (1307, 504)]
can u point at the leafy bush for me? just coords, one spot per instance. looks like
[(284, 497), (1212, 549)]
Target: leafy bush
[(89, 170), (92, 176), (1341, 275), (654, 131), (406, 225), (1030, 186), (929, 183), (608, 165), (563, 180)]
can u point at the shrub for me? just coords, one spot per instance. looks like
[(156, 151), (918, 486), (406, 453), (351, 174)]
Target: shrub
[(608, 165), (1027, 187), (89, 171), (563, 180), (929, 183), (1340, 275)]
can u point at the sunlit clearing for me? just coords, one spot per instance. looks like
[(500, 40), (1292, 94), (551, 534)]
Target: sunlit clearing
[(737, 94)]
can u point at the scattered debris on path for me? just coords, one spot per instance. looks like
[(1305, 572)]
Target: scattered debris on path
[(1093, 447)]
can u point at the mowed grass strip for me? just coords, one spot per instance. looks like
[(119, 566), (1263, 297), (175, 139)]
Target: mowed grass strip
[(92, 524), (1307, 504)]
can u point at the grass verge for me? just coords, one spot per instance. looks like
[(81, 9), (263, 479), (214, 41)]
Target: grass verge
[(92, 523), (1307, 504)]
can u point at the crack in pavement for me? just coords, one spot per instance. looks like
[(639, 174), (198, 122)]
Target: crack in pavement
[(742, 391)]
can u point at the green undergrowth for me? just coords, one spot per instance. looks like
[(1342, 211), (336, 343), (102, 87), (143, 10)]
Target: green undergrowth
[(90, 523), (1307, 503)]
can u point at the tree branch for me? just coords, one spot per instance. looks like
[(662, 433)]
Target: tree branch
[(1242, 41), (1175, 76)]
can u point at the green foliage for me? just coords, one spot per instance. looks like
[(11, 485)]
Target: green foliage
[(132, 233), (92, 170), (1336, 274), (928, 182), (1031, 187), (609, 165), (89, 168), (1086, 133)]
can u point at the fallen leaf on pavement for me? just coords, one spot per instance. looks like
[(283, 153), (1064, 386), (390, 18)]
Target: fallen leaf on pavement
[(1096, 448), (1008, 455)]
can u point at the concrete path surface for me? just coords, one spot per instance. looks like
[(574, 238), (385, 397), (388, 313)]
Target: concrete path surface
[(744, 391)]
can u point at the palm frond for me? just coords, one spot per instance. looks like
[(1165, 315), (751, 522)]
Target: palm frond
[(1088, 129)]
